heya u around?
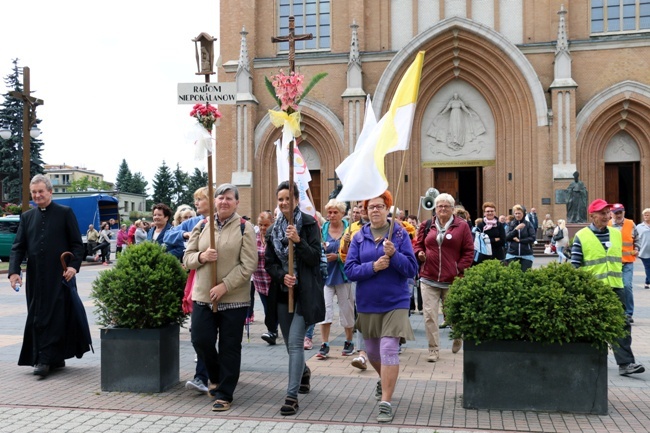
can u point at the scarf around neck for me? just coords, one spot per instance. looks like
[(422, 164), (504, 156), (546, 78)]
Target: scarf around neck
[(442, 230), (489, 224), (279, 237)]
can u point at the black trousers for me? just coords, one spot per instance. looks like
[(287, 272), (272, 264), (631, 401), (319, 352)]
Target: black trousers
[(228, 328)]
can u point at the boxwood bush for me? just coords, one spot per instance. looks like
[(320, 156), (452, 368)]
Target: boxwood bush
[(143, 290), (552, 304)]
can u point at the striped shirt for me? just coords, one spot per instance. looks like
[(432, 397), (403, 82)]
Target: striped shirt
[(261, 278), (576, 248)]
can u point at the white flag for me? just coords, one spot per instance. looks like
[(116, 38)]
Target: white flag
[(301, 174)]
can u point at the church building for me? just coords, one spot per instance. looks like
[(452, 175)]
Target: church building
[(516, 96)]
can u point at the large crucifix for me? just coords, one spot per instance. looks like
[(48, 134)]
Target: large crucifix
[(29, 119), (291, 38)]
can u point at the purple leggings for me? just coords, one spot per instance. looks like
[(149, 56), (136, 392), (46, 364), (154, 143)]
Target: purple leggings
[(384, 349)]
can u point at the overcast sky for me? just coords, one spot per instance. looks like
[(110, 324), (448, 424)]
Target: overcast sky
[(107, 72)]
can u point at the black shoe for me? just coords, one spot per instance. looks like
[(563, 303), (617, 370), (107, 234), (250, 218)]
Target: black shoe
[(41, 370), (270, 337)]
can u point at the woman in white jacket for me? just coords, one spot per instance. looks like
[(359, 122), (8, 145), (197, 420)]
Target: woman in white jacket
[(562, 243)]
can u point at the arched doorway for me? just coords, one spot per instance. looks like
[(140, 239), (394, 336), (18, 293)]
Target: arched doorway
[(622, 166)]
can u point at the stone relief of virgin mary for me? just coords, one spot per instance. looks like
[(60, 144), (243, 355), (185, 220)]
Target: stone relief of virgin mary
[(456, 125)]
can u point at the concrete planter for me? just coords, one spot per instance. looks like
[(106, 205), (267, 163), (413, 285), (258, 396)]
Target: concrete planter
[(518, 375), (140, 360)]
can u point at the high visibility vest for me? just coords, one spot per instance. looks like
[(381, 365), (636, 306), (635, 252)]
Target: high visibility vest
[(604, 265), (628, 241)]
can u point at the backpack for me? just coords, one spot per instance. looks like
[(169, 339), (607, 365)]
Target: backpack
[(427, 227)]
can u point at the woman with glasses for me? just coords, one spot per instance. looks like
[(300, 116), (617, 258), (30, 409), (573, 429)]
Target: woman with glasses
[(381, 266), (495, 231), (521, 237), (445, 248)]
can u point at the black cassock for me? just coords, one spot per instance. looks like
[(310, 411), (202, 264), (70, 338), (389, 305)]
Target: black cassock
[(43, 235)]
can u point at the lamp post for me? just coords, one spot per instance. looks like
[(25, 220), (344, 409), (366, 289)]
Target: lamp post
[(30, 130)]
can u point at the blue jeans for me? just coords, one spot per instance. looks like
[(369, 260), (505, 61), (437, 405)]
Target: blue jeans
[(293, 332), (628, 273), (646, 265), (309, 333)]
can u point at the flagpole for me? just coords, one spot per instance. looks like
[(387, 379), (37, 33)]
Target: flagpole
[(399, 183), (290, 221)]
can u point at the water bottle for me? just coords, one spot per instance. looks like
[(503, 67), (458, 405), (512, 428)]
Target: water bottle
[(17, 287)]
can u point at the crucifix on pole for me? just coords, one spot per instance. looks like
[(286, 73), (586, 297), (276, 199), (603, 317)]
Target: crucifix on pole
[(204, 64), (291, 38), (29, 119)]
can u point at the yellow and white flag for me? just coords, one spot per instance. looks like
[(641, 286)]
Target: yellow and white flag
[(365, 176)]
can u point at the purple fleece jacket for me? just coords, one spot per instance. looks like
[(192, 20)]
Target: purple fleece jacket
[(385, 290)]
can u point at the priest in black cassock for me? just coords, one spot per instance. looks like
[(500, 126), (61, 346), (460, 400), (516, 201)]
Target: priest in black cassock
[(44, 233)]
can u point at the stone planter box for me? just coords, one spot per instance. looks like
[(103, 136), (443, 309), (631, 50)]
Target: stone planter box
[(140, 360), (518, 375)]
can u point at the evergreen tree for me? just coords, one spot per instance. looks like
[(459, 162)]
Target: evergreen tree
[(138, 184), (198, 179), (182, 194), (11, 150), (86, 184), (124, 178), (163, 186)]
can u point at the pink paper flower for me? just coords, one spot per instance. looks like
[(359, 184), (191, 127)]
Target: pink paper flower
[(288, 89)]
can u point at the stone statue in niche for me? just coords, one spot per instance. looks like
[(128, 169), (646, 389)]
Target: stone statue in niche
[(456, 125), (205, 61), (576, 201)]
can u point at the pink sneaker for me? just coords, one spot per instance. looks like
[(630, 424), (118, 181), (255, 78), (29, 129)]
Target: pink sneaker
[(308, 345)]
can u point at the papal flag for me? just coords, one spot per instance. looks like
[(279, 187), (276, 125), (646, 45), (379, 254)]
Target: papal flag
[(365, 176)]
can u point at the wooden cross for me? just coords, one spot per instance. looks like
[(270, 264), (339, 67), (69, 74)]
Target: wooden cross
[(292, 37)]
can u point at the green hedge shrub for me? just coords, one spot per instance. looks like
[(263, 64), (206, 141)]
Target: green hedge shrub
[(144, 289), (552, 304)]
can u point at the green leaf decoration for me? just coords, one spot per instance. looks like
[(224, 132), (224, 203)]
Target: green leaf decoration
[(271, 89), (311, 85)]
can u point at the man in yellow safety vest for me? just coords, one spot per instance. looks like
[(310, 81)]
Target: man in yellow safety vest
[(598, 249)]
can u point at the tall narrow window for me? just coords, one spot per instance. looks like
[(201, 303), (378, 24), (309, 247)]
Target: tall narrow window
[(312, 16), (618, 16)]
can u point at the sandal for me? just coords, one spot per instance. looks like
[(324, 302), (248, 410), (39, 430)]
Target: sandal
[(221, 406), (290, 406), (305, 387)]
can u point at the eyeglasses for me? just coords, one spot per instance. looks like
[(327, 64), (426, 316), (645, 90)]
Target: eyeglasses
[(443, 206), (376, 207)]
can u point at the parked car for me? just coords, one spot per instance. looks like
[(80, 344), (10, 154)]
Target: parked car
[(8, 229)]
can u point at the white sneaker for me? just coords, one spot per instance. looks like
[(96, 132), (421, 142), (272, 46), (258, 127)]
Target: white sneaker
[(196, 384)]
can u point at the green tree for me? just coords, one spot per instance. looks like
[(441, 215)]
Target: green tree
[(124, 178), (11, 150), (182, 194), (86, 184), (198, 179), (163, 185), (138, 184)]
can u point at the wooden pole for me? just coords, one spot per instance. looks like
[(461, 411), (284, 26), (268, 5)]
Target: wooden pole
[(211, 221), (292, 205)]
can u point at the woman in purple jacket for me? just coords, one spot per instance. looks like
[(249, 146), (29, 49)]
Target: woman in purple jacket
[(381, 267)]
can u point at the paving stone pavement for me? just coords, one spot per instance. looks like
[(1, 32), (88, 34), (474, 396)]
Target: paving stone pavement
[(428, 396)]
